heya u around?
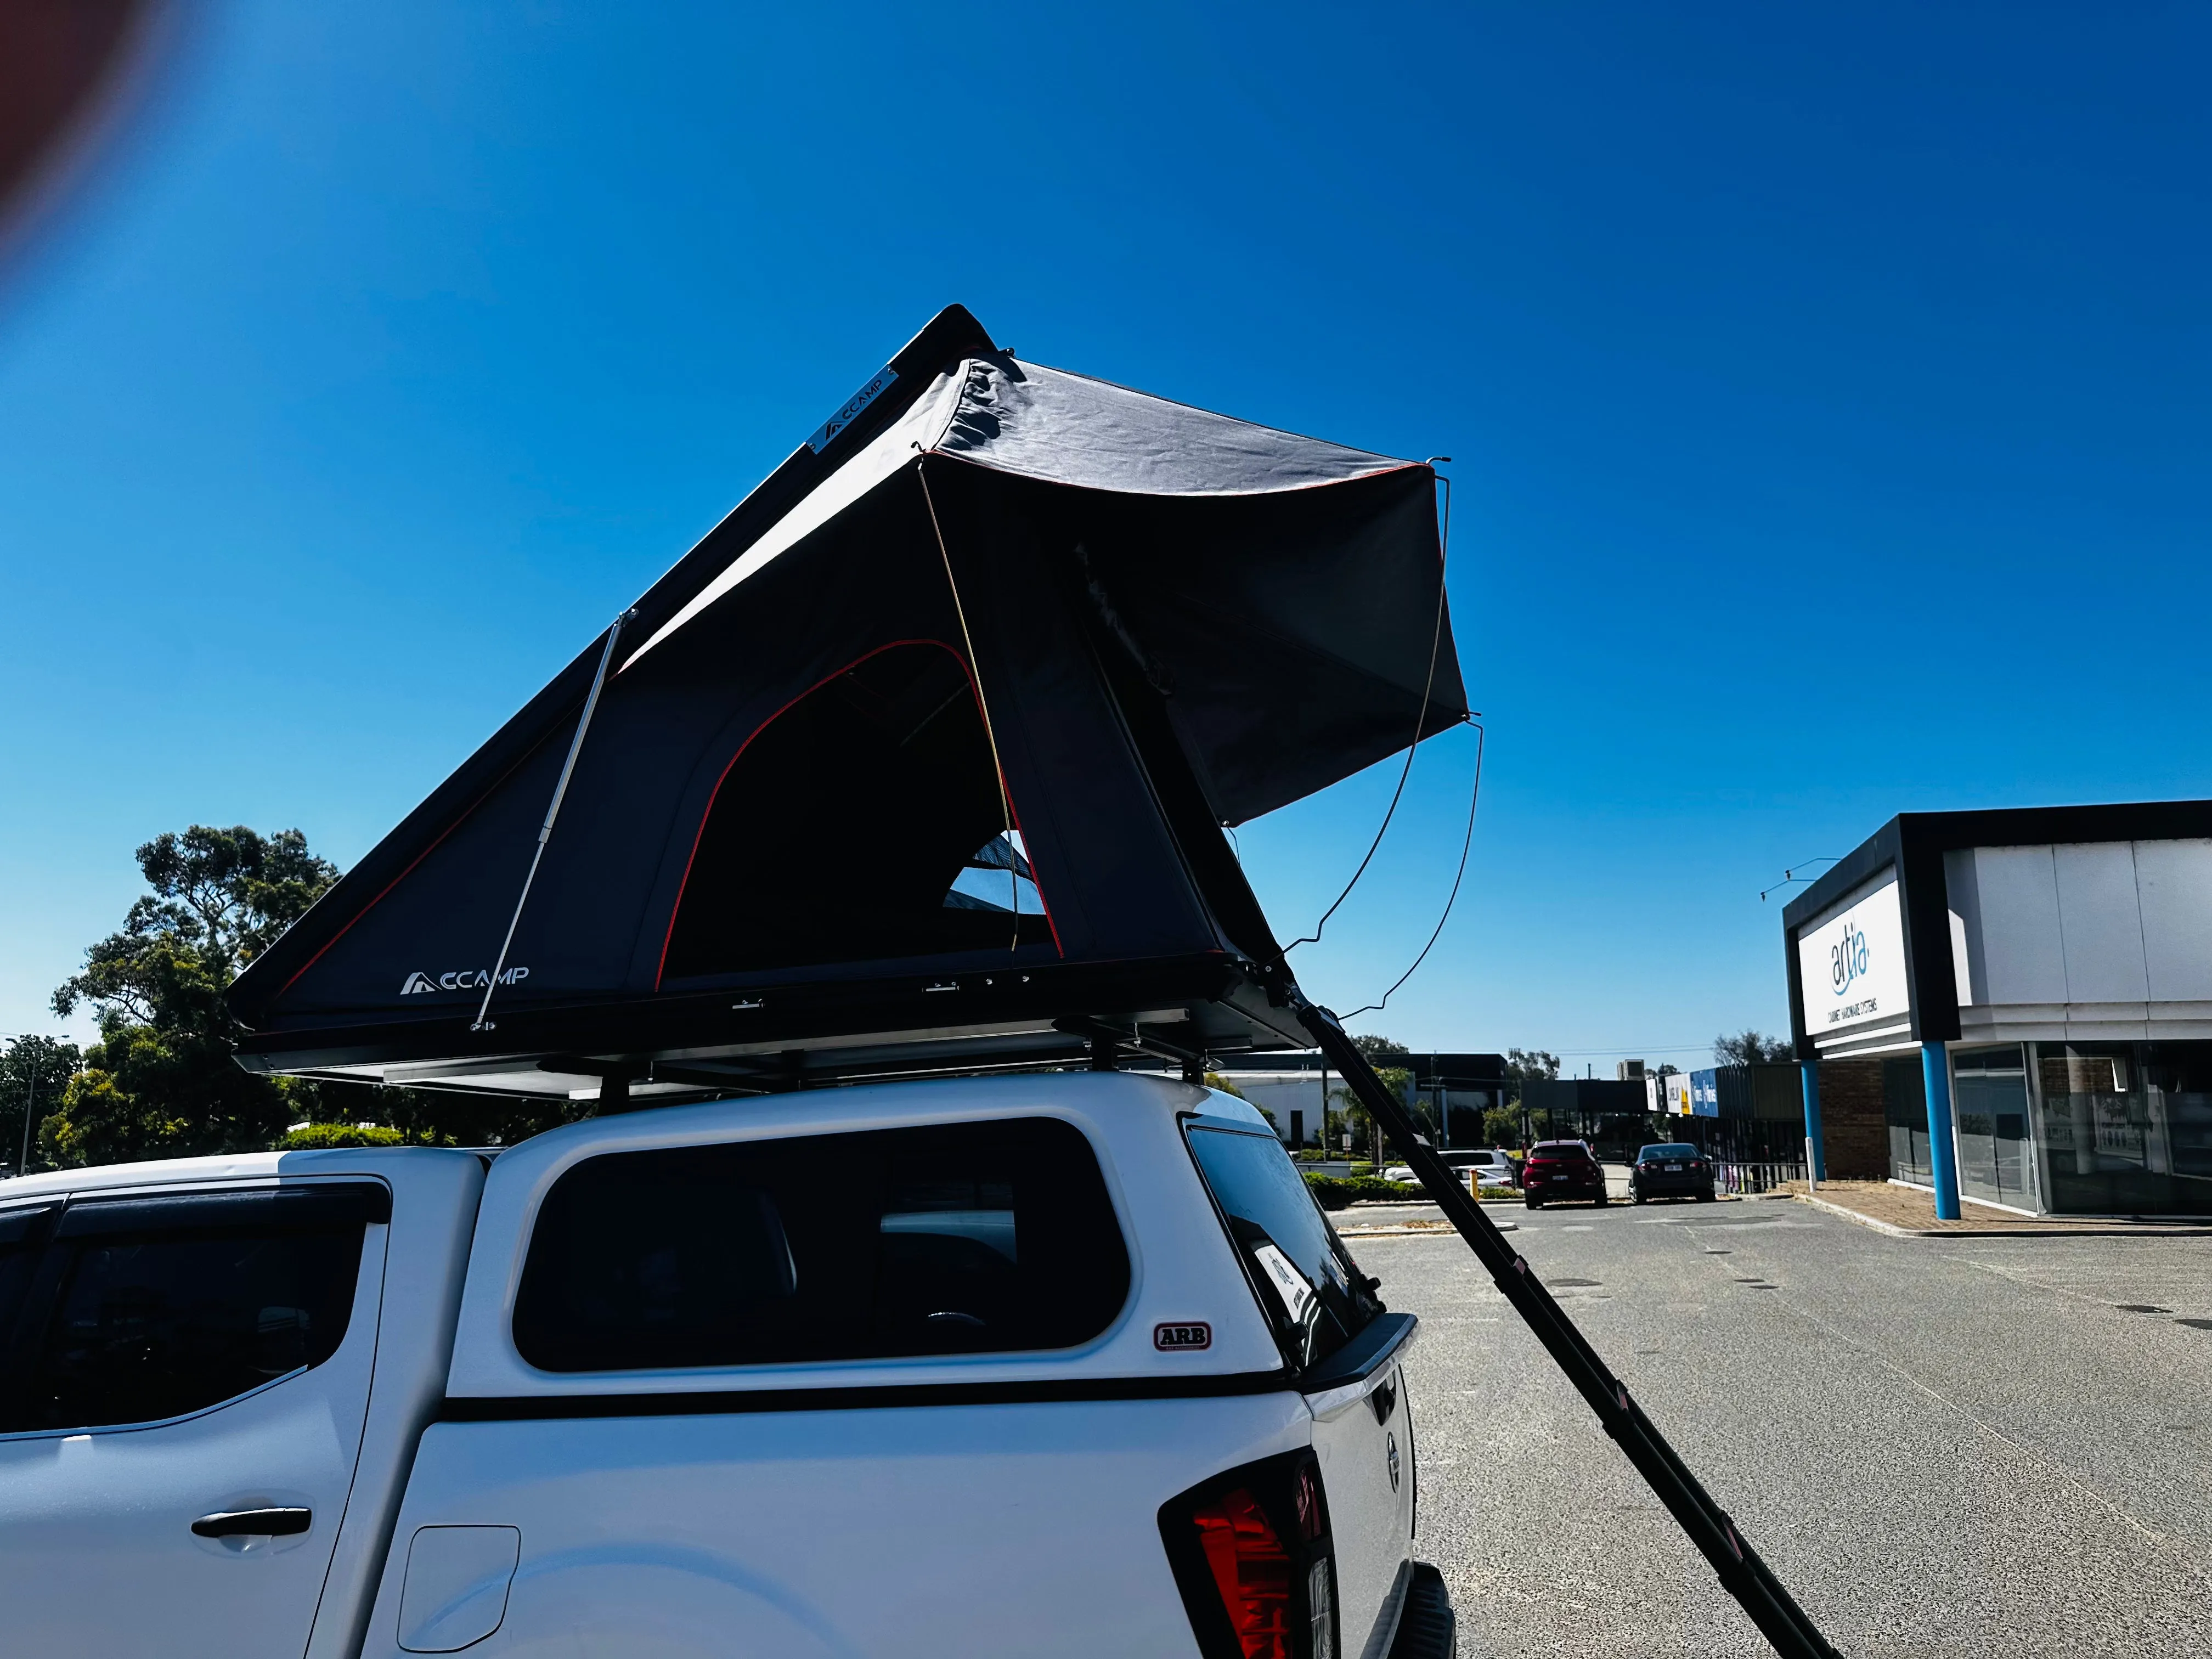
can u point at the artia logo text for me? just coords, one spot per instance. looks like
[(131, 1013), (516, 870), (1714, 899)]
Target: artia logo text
[(1847, 959), (460, 979)]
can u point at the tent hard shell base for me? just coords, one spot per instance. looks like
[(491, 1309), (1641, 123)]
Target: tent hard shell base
[(703, 1045)]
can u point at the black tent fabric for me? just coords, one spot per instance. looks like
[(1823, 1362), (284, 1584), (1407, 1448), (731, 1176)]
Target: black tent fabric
[(958, 701)]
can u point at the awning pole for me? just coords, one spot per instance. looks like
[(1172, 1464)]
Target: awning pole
[(552, 812), (1745, 1576)]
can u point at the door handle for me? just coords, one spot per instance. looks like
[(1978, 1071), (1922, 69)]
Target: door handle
[(253, 1523)]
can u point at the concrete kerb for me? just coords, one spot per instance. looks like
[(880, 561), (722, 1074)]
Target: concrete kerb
[(2125, 1230)]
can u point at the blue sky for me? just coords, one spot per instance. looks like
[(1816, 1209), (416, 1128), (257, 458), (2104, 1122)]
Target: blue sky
[(1827, 387)]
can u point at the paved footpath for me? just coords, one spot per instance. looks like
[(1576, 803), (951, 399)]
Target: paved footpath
[(1945, 1447)]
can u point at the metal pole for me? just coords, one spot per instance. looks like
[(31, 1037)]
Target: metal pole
[(552, 812), (1740, 1570), (1816, 1164), (1942, 1160), (30, 1106)]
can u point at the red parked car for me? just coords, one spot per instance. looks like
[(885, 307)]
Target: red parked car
[(1559, 1170)]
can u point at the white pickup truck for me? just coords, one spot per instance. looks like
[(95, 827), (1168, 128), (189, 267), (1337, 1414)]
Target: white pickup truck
[(1066, 1363)]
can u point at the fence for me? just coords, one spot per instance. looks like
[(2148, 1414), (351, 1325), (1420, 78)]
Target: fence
[(1751, 1178)]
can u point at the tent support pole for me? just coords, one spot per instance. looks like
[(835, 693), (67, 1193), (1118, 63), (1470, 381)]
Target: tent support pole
[(552, 812), (1741, 1573)]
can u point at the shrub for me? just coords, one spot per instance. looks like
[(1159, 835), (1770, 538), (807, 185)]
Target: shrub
[(316, 1136), (1334, 1194)]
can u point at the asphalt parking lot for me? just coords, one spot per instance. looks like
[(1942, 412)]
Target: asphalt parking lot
[(1965, 1447)]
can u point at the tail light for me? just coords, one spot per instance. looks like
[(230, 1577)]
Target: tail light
[(1250, 1551)]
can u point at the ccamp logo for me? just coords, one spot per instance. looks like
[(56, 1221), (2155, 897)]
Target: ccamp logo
[(1847, 958), (461, 979)]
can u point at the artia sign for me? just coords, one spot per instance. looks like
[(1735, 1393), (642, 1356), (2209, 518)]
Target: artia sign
[(1851, 967)]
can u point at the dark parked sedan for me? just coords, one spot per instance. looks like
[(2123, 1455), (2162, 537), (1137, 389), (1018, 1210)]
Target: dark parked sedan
[(1671, 1171), (1559, 1170)]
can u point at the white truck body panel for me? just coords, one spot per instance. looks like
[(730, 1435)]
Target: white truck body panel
[(958, 1531), (96, 1553), (465, 1500), (1180, 1268)]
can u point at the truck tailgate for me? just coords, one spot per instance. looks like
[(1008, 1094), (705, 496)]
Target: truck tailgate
[(967, 1530)]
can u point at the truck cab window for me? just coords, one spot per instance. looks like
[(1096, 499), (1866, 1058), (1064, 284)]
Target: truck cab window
[(145, 1309), (1308, 1281), (988, 1238)]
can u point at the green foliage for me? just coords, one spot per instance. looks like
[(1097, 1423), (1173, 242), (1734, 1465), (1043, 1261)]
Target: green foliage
[(1749, 1048), (1501, 1127), (1333, 1192), (1531, 1064), (219, 898), (1376, 1047), (160, 1081), (35, 1070), (316, 1136), (1215, 1080), (429, 1118)]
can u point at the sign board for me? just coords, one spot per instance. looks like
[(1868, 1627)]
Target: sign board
[(1677, 1086), (1705, 1094), (1850, 969)]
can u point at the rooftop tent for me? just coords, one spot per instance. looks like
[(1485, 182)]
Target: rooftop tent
[(921, 756)]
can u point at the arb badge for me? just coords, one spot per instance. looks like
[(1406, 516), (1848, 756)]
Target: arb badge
[(1197, 1334)]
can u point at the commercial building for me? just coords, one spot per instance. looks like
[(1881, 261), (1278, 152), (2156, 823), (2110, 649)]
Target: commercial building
[(1450, 1090), (2026, 997)]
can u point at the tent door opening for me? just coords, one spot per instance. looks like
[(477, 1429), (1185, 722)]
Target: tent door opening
[(864, 821)]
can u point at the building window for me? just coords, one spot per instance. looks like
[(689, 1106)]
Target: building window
[(1904, 1108), (2127, 1126), (1988, 1094)]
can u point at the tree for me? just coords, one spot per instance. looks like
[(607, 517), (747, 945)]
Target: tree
[(1530, 1065), (161, 1080), (34, 1072), (1748, 1048), (1376, 1047)]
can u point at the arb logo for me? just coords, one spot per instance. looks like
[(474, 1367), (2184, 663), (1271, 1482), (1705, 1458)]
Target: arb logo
[(1195, 1336)]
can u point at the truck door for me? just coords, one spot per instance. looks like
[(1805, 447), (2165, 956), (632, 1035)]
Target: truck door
[(183, 1380)]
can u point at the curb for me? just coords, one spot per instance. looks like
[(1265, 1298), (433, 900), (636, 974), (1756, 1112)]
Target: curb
[(1895, 1231), (1445, 1231), (1863, 1220)]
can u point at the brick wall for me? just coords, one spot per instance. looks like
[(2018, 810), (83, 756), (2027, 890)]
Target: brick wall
[(1854, 1133)]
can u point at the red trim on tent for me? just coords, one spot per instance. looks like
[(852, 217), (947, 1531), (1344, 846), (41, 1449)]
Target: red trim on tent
[(661, 967), (459, 818)]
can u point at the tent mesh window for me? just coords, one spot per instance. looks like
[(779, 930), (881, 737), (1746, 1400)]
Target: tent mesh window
[(863, 821)]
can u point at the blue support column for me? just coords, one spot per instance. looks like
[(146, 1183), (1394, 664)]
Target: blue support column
[(1818, 1148), (1942, 1160)]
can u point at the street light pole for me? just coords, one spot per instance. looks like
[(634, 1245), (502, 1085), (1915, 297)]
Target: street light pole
[(30, 1090), (30, 1105)]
